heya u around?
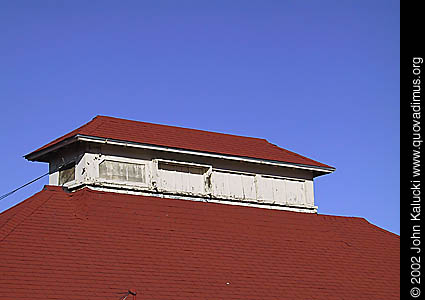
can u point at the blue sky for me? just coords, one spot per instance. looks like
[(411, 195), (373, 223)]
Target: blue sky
[(320, 78)]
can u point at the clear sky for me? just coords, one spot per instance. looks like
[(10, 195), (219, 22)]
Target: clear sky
[(320, 78)]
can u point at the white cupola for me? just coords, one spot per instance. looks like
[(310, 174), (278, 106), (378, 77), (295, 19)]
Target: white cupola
[(125, 156)]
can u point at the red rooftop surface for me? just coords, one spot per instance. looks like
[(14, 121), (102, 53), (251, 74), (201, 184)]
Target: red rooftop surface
[(184, 138), (98, 245)]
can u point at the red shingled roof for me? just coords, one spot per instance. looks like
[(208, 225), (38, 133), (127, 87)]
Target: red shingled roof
[(94, 245), (184, 138)]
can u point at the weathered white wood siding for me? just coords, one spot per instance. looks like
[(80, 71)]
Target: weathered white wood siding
[(233, 185), (190, 179), (295, 192), (181, 178), (281, 190), (271, 190)]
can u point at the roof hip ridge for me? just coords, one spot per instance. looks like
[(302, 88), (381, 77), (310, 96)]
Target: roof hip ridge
[(26, 211)]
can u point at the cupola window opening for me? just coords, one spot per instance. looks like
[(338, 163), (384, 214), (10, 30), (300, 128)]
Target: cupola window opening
[(122, 171), (67, 173)]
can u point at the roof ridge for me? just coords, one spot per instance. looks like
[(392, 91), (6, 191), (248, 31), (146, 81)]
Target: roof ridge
[(180, 127), (27, 209), (338, 216), (379, 229), (78, 201), (360, 220), (93, 120), (298, 155)]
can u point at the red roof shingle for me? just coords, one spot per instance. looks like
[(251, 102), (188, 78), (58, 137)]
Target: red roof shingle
[(184, 138), (95, 245)]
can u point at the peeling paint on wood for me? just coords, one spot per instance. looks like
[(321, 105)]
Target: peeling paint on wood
[(181, 176)]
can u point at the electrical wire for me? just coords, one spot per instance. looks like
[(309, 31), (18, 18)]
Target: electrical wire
[(28, 183), (128, 293), (125, 296), (22, 186)]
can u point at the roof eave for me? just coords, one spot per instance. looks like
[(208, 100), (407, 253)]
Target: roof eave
[(39, 154)]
